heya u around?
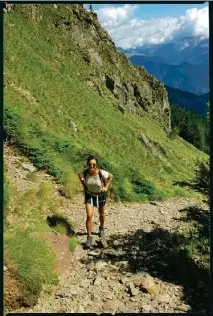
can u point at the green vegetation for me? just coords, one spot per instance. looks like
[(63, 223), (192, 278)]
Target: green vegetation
[(198, 235), (56, 121), (202, 178), (25, 245), (73, 243), (45, 97), (34, 263), (208, 113), (189, 101), (6, 191), (192, 127), (174, 133)]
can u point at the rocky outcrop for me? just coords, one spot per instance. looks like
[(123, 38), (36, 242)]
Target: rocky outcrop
[(100, 65)]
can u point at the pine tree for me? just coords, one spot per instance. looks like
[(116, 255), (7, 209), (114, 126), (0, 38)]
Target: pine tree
[(193, 127), (208, 114)]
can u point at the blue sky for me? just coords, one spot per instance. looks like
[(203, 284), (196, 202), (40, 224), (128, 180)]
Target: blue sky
[(131, 25), (147, 11)]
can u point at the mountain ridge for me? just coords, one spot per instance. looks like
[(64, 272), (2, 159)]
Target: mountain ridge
[(193, 50), (187, 77), (182, 63)]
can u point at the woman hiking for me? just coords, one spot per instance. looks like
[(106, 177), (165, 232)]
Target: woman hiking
[(96, 183)]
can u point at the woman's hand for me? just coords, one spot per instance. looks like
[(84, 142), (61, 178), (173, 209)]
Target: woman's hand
[(104, 189)]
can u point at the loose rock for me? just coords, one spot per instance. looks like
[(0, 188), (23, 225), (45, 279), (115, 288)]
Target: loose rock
[(146, 284), (98, 280), (28, 167), (146, 308)]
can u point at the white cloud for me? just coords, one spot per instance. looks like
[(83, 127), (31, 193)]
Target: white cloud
[(111, 17), (126, 31)]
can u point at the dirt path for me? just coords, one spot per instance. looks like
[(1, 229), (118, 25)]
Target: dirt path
[(130, 275), (104, 280)]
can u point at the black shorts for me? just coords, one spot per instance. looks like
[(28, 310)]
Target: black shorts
[(95, 200)]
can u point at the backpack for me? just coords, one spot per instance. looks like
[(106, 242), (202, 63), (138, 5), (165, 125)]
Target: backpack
[(102, 179)]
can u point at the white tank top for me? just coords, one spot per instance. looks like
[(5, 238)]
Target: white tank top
[(93, 183)]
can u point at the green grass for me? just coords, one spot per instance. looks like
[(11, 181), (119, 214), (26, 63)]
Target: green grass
[(33, 176), (73, 243), (60, 229), (34, 262), (31, 255), (44, 132)]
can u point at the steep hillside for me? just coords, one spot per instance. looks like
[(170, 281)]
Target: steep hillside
[(69, 92), (76, 34)]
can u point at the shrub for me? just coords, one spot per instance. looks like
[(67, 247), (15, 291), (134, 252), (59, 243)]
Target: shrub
[(202, 179), (199, 233), (174, 133), (12, 122), (168, 169), (144, 188)]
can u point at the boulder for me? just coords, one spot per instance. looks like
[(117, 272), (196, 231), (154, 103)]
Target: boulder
[(28, 167)]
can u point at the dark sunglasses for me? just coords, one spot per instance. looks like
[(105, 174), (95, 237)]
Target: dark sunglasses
[(92, 164)]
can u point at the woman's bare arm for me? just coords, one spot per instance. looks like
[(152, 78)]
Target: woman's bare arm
[(81, 178), (109, 180)]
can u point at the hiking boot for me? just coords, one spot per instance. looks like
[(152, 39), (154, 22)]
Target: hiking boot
[(88, 243), (101, 231)]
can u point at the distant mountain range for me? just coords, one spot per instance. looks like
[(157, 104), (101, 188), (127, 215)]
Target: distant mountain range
[(193, 50), (192, 78), (182, 64), (188, 100)]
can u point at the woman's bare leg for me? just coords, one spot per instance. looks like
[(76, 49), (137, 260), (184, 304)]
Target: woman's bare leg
[(89, 210), (102, 215)]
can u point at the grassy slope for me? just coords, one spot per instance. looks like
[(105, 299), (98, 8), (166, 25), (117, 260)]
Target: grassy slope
[(36, 63), (31, 257)]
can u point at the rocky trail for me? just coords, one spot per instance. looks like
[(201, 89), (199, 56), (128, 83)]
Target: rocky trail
[(120, 278), (134, 273)]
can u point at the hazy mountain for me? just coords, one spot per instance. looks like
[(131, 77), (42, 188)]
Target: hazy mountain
[(189, 100), (181, 64), (187, 77), (193, 50)]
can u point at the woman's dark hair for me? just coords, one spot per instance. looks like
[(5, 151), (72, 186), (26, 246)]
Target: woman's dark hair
[(92, 157)]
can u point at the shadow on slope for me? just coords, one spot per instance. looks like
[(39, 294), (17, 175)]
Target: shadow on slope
[(201, 181), (193, 186), (166, 255), (55, 220)]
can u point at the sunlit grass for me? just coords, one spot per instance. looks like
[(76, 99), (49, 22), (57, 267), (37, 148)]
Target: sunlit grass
[(44, 129)]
